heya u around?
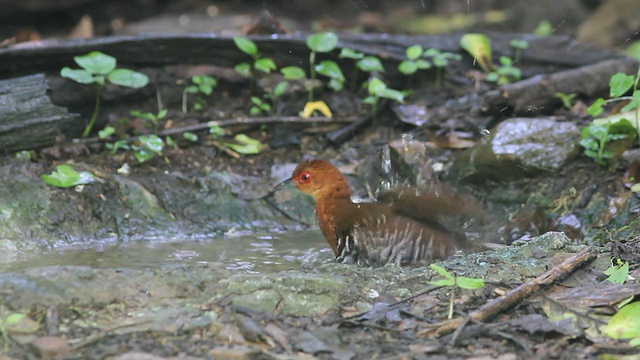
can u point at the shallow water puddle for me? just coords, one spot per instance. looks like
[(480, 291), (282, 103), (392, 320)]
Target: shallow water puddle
[(257, 253)]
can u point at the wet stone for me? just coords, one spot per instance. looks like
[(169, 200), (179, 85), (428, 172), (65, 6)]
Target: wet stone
[(520, 147)]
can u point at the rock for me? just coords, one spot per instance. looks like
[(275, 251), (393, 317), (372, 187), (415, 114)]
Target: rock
[(520, 147)]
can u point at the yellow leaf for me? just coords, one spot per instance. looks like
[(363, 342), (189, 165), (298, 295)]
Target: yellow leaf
[(312, 106)]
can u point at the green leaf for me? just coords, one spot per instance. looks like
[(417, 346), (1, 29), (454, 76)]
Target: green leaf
[(152, 142), (422, 64), (190, 136), (618, 274), (265, 65), (128, 78), (347, 53), (336, 84), (66, 176), (407, 67), (599, 132), (493, 77), (96, 62), (376, 87), (620, 83), (596, 109), (441, 271), (370, 100), (205, 83), (633, 50), (414, 52), (443, 282), (393, 95), (106, 132), (247, 145), (143, 154), (432, 52), (245, 45), (244, 69), (479, 46), (255, 111), (15, 318), (544, 28), (370, 63), (293, 73), (519, 44), (169, 140), (331, 69), (625, 324), (256, 100), (322, 42), (280, 89), (162, 114), (469, 283), (78, 75), (440, 61), (590, 143)]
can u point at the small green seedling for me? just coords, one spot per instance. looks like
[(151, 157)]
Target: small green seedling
[(618, 272), (106, 133), (414, 61), (519, 45), (363, 63), (262, 105), (260, 63), (323, 43), (544, 28), (567, 99), (453, 281), (153, 119), (150, 145), (596, 138), (625, 324), (378, 89), (202, 85), (440, 60), (505, 73), (66, 176), (98, 69)]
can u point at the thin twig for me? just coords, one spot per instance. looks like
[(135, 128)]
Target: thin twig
[(520, 293)]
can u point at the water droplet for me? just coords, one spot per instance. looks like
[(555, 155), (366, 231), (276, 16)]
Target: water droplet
[(485, 132)]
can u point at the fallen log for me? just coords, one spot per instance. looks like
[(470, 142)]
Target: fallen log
[(28, 119)]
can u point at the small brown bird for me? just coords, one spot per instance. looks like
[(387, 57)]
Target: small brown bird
[(402, 227)]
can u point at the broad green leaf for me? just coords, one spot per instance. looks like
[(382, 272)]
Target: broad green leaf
[(293, 73), (431, 52), (469, 283), (169, 140), (393, 95), (443, 282), (376, 87), (96, 62), (441, 271), (618, 274), (440, 61), (596, 109), (78, 75), (519, 44), (206, 84), (256, 100), (422, 64), (347, 53), (414, 52), (128, 78), (66, 176), (106, 132), (244, 69), (255, 111), (265, 65), (322, 42), (336, 84), (544, 28), (479, 46), (633, 50), (407, 67), (625, 324), (331, 69), (370, 63), (245, 45), (152, 142), (370, 100), (162, 114), (599, 132), (280, 89), (620, 83)]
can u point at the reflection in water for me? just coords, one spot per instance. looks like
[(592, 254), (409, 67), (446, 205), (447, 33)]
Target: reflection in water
[(249, 254)]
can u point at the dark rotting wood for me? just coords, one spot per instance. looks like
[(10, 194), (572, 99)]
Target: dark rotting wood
[(28, 119)]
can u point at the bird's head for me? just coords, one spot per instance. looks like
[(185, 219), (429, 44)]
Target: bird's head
[(320, 179)]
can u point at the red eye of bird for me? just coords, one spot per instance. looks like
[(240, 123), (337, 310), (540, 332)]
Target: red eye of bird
[(305, 177)]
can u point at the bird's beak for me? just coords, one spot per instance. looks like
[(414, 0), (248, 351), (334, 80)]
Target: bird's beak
[(285, 184)]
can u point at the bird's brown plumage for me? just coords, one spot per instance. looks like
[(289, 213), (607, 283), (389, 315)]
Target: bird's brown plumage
[(403, 227)]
